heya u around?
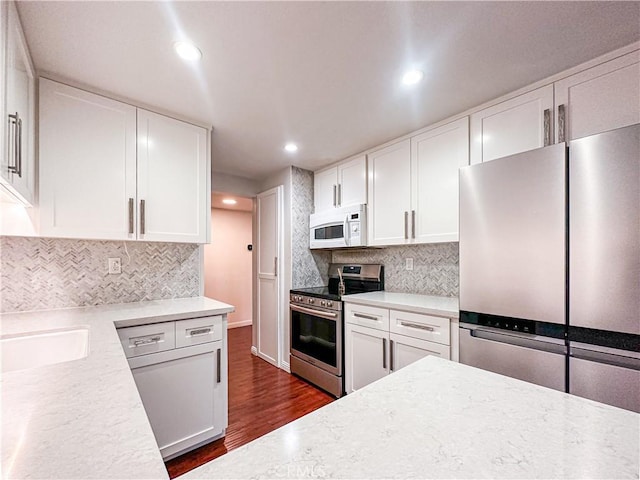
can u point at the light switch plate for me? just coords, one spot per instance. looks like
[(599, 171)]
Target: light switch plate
[(408, 264), (115, 266)]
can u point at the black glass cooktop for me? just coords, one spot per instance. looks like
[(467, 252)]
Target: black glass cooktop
[(318, 292)]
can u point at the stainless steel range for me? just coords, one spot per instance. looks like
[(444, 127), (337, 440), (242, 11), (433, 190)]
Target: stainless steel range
[(317, 326)]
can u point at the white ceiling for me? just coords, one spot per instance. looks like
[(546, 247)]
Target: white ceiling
[(243, 204), (323, 74)]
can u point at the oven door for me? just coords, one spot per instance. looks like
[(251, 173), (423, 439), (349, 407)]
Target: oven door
[(316, 337)]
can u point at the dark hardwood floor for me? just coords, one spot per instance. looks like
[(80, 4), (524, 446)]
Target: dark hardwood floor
[(261, 399)]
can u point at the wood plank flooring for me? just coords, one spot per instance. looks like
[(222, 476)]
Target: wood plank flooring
[(261, 399)]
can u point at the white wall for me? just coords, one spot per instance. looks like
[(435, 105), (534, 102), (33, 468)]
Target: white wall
[(228, 263), (244, 187)]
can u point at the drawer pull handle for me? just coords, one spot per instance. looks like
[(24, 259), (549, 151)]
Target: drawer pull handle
[(146, 341), (199, 331), (366, 317), (417, 325)]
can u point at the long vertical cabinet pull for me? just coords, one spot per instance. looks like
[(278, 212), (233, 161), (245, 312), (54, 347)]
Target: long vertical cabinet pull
[(406, 225), (12, 142), (391, 355), (19, 146), (335, 202), (218, 366), (547, 127), (339, 195), (413, 224), (384, 353), (142, 219), (562, 122), (275, 266), (131, 215)]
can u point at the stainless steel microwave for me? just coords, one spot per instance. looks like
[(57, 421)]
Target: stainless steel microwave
[(339, 228)]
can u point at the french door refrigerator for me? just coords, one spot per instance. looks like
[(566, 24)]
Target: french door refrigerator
[(550, 266)]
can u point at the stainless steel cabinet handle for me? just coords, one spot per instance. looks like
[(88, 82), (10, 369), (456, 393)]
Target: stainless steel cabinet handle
[(391, 355), (19, 142), (547, 127), (12, 143), (275, 266), (366, 317), (417, 325), (195, 332), (131, 215), (406, 225), (335, 204), (562, 123), (142, 218), (384, 353), (218, 366), (413, 224), (339, 195), (146, 340)]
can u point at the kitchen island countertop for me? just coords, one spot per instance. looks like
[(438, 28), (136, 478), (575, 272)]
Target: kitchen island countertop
[(84, 418), (440, 419)]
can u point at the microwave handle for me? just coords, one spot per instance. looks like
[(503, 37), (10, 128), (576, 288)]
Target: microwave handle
[(347, 231)]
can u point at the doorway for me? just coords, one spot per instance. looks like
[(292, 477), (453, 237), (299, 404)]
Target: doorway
[(228, 258)]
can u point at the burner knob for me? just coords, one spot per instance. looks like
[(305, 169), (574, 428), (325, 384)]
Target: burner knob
[(323, 303), (311, 300), (329, 304)]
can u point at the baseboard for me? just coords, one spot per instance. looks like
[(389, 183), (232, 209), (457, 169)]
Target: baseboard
[(254, 351), (286, 367), (241, 323)]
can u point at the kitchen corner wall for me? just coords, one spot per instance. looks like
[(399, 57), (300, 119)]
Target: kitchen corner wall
[(435, 267), (44, 273), (309, 267)]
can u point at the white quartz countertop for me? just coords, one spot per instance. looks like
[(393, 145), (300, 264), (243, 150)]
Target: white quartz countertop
[(412, 302), (84, 418), (441, 419)]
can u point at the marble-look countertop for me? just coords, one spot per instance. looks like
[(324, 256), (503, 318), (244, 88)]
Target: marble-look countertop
[(410, 302), (440, 419), (84, 418)]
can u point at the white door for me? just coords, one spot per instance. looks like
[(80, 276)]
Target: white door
[(325, 190), (352, 182), (87, 164), (269, 314), (18, 159), (517, 125), (601, 98), (172, 180), (390, 194), (406, 350), (436, 157), (366, 356)]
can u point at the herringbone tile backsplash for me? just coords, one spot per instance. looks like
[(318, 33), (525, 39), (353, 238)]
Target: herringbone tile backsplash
[(44, 273)]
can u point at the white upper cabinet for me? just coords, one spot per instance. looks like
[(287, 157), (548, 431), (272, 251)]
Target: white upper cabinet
[(389, 194), (516, 125), (111, 171), (172, 180), (341, 185), (87, 164), (436, 157), (17, 166), (601, 98)]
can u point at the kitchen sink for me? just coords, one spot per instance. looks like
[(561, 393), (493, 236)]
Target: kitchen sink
[(36, 349)]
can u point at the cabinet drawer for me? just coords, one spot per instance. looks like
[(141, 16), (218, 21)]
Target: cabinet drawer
[(198, 330), (371, 317), (146, 339), (426, 327)]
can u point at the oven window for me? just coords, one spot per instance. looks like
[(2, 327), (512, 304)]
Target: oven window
[(314, 336), (329, 233)]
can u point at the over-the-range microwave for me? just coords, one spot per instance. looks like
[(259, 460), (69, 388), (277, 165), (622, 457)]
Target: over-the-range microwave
[(339, 228)]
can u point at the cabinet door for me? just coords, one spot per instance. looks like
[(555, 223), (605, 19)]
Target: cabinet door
[(87, 164), (517, 125), (18, 158), (366, 356), (436, 156), (325, 190), (601, 98), (390, 194), (352, 182), (172, 180), (406, 350)]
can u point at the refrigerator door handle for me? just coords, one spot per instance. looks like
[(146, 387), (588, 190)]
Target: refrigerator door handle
[(606, 358), (521, 340)]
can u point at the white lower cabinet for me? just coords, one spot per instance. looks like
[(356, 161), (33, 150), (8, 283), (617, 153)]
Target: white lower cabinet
[(374, 348), (180, 370)]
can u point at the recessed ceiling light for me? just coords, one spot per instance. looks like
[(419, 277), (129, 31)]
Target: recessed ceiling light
[(229, 201), (291, 147), (412, 77), (187, 51)]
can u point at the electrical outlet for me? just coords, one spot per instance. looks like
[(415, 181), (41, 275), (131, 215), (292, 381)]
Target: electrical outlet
[(115, 266), (408, 263)]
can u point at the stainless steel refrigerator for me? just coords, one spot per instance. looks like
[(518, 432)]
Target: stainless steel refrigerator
[(550, 266)]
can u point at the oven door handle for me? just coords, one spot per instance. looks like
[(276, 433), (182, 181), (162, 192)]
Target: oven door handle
[(310, 311)]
